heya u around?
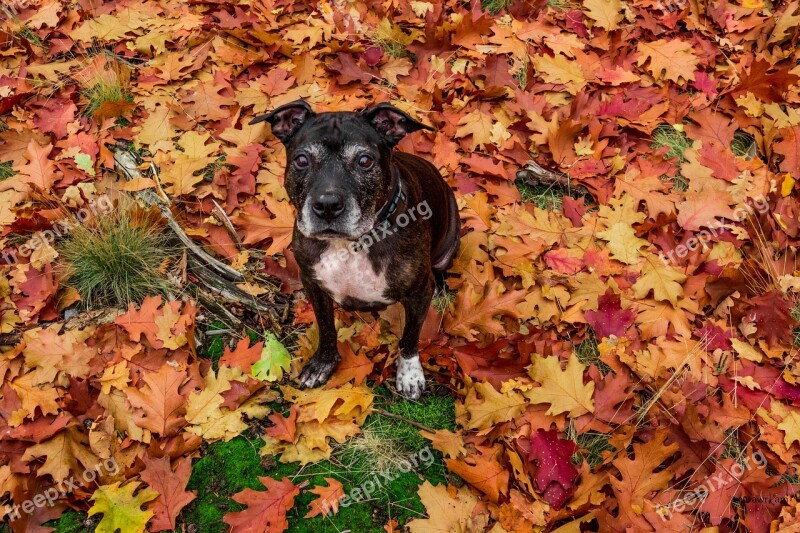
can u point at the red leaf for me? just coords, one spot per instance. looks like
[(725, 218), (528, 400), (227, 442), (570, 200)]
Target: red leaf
[(610, 319), (555, 472), (266, 510), (328, 498), (173, 497)]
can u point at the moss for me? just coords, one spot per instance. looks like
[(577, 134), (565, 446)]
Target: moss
[(224, 469), (6, 170)]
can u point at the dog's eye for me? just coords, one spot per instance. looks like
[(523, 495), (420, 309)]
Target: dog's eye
[(301, 161), (365, 161)]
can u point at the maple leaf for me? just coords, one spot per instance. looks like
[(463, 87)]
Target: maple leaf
[(170, 486), (670, 59), (121, 509), (610, 319), (160, 401), (555, 473), (275, 360), (447, 512), (266, 510), (564, 390), (328, 501)]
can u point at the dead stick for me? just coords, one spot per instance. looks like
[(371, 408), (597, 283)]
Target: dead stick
[(404, 419)]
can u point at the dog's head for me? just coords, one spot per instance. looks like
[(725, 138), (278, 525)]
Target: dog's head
[(338, 165)]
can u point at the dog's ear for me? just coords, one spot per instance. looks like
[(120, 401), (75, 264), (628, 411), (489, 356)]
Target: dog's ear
[(392, 123), (287, 119)]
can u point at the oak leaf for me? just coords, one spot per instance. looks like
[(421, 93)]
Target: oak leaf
[(328, 501), (161, 404), (121, 509), (170, 485), (564, 390), (448, 512), (266, 510), (670, 59)]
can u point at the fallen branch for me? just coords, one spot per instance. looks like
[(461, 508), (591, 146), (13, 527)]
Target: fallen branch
[(535, 175), (410, 422), (218, 280)]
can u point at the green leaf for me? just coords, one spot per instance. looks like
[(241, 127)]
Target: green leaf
[(84, 162), (121, 509), (275, 360)]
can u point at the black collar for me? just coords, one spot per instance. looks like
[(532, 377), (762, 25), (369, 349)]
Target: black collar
[(390, 206)]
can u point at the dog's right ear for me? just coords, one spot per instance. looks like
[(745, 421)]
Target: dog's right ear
[(287, 119)]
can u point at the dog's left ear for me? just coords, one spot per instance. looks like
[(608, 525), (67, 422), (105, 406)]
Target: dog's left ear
[(392, 123), (286, 119)]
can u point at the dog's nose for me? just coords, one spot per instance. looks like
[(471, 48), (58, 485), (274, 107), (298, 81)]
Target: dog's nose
[(328, 205)]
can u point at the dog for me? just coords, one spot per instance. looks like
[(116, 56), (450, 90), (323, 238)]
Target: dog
[(374, 225)]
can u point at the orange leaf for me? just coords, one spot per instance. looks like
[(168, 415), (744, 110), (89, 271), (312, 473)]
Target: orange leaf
[(329, 497)]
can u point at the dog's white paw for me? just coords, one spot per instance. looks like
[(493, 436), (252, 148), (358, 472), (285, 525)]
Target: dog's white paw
[(410, 377)]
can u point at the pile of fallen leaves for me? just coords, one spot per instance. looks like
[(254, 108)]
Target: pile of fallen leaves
[(623, 359)]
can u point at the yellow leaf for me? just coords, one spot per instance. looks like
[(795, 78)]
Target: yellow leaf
[(121, 509), (791, 428), (560, 70), (493, 407), (671, 59), (663, 280), (446, 512), (623, 243), (606, 13), (564, 390), (450, 444), (479, 126), (787, 185)]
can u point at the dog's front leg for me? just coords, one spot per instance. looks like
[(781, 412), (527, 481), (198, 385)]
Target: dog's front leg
[(410, 377), (320, 367)]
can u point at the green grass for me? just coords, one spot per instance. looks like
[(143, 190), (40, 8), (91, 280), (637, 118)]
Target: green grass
[(677, 143), (117, 257), (443, 298), (744, 144), (6, 170), (589, 355), (495, 6), (28, 34), (544, 196), (591, 446), (104, 91)]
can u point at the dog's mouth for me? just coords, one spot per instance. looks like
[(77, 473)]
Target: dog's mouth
[(329, 234)]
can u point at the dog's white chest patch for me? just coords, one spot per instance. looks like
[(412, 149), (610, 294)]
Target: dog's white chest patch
[(347, 274)]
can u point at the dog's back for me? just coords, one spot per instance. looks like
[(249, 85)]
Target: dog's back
[(445, 223)]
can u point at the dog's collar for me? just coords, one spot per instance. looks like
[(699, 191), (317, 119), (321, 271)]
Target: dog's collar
[(390, 206)]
